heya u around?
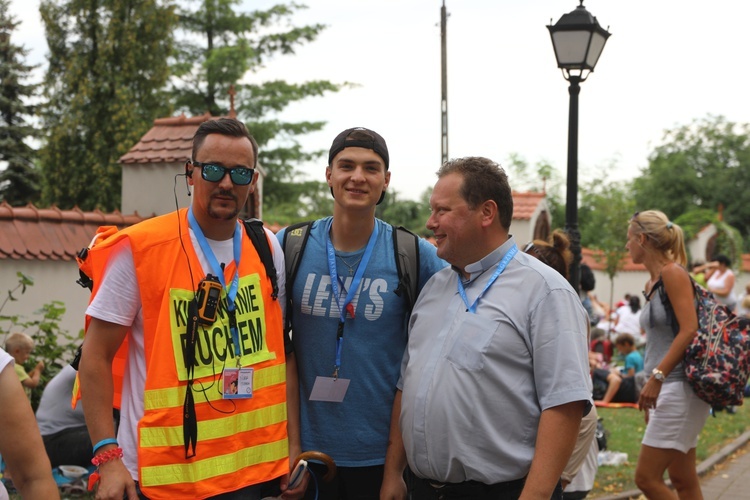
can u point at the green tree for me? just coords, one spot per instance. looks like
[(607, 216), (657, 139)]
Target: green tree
[(604, 211), (20, 181), (728, 239), (703, 165), (107, 64), (408, 213), (218, 47)]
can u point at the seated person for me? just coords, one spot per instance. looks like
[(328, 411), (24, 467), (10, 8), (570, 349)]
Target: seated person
[(63, 428), (615, 387), (601, 344), (625, 344), (20, 345)]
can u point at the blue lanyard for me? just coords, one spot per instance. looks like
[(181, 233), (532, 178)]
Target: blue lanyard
[(341, 301), (219, 272), (500, 268)]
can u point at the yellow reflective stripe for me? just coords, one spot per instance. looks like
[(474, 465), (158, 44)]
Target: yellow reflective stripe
[(215, 428), (174, 397), (201, 470)]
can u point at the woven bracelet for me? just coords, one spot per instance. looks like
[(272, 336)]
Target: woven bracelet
[(107, 456)]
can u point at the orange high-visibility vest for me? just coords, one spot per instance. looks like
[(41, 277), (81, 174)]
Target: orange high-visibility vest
[(240, 442)]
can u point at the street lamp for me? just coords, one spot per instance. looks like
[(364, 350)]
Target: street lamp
[(578, 41)]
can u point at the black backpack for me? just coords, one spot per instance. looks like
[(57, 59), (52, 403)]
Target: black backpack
[(405, 248)]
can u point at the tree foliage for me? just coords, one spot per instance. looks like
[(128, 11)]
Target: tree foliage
[(107, 64), (604, 212), (703, 165), (20, 181), (218, 47), (408, 213), (728, 239)]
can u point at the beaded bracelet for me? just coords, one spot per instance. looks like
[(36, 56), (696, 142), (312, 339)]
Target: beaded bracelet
[(104, 442), (102, 458), (107, 456)]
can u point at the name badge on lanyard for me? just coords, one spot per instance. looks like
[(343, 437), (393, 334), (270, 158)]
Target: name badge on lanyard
[(333, 389)]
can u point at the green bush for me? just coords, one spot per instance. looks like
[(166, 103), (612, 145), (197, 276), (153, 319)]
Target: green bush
[(52, 345)]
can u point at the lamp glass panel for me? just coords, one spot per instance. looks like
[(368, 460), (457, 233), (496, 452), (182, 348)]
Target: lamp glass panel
[(597, 45), (570, 47)]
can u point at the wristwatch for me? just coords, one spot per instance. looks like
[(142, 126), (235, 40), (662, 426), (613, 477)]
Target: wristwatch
[(658, 374)]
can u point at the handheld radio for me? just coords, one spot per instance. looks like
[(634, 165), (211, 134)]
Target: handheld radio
[(207, 297)]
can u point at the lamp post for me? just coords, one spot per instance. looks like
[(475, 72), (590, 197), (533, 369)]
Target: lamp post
[(578, 41)]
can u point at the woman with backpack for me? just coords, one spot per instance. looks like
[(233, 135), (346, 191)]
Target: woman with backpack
[(674, 414)]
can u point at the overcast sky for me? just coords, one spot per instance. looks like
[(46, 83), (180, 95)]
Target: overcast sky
[(667, 63)]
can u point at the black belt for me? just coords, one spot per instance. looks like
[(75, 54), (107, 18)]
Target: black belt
[(474, 489)]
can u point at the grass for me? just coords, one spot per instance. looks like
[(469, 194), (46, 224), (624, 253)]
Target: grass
[(626, 426)]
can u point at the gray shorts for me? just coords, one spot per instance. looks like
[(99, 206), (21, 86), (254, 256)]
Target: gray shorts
[(678, 418)]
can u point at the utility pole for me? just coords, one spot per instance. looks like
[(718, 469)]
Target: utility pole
[(444, 85)]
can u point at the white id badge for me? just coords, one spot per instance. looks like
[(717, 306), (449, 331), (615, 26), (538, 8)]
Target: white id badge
[(329, 389), (238, 383)]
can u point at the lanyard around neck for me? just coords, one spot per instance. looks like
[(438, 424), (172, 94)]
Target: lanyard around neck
[(219, 272), (343, 302), (500, 268)]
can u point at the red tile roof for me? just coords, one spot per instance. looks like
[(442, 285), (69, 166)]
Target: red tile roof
[(50, 233), (595, 260), (170, 140), (525, 204)]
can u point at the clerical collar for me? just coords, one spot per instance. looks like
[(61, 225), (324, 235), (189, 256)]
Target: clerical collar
[(476, 269)]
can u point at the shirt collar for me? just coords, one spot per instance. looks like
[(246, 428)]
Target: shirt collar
[(490, 260)]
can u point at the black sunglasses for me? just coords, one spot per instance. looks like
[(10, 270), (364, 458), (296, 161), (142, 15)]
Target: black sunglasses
[(241, 176)]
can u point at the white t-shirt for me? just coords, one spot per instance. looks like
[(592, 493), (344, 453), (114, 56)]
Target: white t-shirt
[(720, 281), (6, 359), (119, 301)]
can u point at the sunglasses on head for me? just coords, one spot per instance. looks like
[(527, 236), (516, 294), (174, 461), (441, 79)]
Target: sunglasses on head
[(241, 176)]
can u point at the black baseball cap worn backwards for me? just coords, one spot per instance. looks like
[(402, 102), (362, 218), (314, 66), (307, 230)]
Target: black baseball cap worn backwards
[(377, 144)]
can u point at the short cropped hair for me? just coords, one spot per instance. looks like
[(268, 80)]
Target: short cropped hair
[(18, 340), (223, 126), (483, 180)]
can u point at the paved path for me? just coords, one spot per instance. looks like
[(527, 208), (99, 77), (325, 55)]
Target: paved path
[(731, 479), (724, 476)]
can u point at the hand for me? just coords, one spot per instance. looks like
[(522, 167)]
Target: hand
[(393, 488), (39, 366), (114, 482), (649, 395), (295, 493)]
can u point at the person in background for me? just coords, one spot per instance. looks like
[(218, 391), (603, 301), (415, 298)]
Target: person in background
[(625, 345), (628, 320), (20, 443), (743, 302), (698, 274), (720, 280), (674, 414), (354, 428), (19, 345), (62, 427), (487, 409), (556, 254)]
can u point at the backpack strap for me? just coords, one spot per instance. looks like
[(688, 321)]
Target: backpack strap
[(406, 250), (254, 229), (295, 239)]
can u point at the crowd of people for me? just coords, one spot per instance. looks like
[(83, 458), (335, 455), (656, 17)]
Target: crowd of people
[(402, 393)]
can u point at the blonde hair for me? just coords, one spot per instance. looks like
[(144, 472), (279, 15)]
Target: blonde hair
[(665, 236), (18, 340)]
